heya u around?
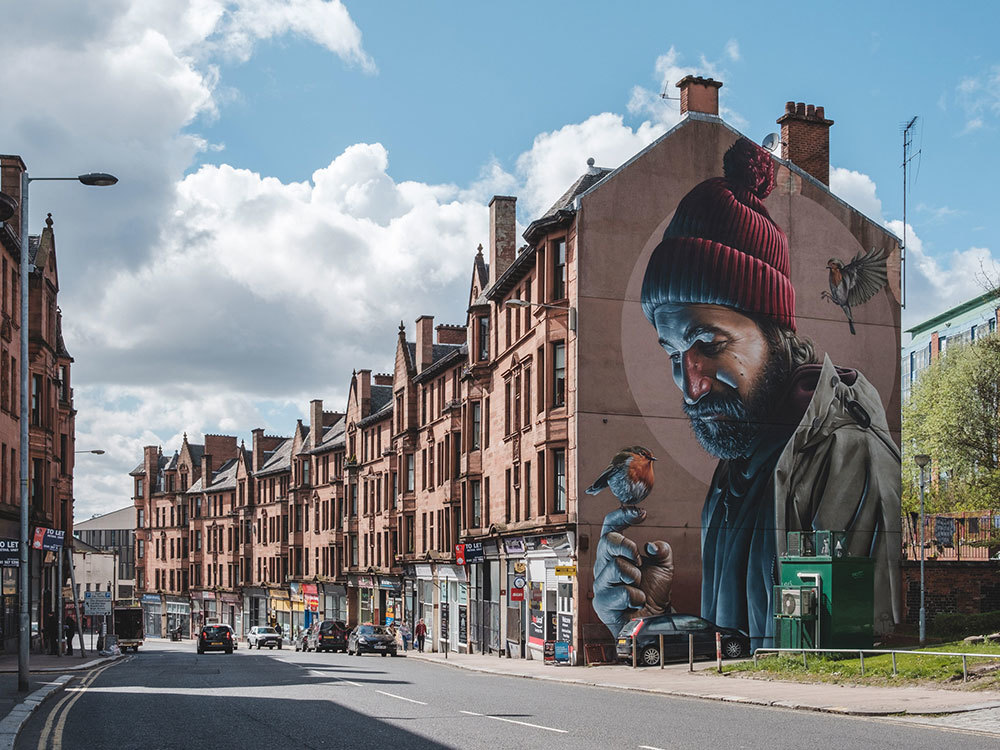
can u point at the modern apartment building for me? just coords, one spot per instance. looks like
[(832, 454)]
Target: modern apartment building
[(114, 532)]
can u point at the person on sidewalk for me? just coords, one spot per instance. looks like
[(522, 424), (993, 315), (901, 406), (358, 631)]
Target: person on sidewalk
[(421, 633), (51, 630), (406, 635), (69, 629)]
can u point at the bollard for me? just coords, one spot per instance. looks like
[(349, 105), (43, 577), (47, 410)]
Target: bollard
[(893, 663), (661, 650), (861, 655), (718, 650), (690, 652), (965, 669)]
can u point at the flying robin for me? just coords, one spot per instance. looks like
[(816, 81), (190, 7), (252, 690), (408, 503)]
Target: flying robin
[(629, 476), (857, 282)]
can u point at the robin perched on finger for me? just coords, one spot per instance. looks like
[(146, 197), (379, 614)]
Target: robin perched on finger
[(629, 476)]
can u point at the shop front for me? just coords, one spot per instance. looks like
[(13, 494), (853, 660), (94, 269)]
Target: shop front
[(231, 611), (310, 599), (483, 594), (366, 598), (390, 599), (179, 615), (333, 599), (516, 597), (152, 615), (254, 609), (279, 611), (551, 571), (453, 603)]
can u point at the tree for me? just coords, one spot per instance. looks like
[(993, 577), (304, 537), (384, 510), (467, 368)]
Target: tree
[(953, 414)]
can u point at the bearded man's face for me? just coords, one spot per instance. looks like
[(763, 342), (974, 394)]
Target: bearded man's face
[(727, 371)]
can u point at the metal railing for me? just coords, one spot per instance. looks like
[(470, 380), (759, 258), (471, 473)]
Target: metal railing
[(877, 651)]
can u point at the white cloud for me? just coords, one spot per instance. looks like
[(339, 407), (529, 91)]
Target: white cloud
[(733, 50), (979, 97), (857, 189)]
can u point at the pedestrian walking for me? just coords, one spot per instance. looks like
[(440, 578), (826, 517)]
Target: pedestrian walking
[(406, 634), (421, 633), (69, 628)]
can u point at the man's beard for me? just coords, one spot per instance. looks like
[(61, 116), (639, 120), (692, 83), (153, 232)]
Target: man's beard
[(725, 424)]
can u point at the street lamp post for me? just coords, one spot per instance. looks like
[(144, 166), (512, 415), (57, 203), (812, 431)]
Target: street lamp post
[(570, 310), (922, 459), (94, 179)]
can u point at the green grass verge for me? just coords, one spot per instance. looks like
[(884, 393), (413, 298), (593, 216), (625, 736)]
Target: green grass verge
[(937, 670)]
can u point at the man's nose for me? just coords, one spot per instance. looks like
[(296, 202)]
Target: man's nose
[(697, 380)]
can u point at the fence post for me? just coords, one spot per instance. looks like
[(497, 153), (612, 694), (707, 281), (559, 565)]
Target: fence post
[(893, 663), (965, 669), (862, 655), (690, 652), (718, 650), (661, 650)]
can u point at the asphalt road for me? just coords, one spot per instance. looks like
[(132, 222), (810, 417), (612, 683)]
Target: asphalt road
[(169, 697)]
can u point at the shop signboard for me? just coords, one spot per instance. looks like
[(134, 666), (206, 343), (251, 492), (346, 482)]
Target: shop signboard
[(445, 612), (10, 553), (463, 624), (474, 552), (561, 651), (48, 539), (459, 554), (549, 651), (564, 627), (517, 594), (514, 547), (536, 625), (566, 570)]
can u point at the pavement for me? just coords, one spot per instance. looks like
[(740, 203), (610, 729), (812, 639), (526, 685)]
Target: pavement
[(706, 683)]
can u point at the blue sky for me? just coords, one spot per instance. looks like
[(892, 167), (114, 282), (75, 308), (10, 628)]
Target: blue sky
[(273, 154)]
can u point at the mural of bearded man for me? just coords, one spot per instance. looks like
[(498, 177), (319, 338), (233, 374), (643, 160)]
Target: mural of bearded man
[(802, 444)]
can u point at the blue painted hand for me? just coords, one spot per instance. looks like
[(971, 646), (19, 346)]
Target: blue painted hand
[(629, 582)]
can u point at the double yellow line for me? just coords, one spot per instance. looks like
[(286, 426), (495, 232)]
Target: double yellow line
[(56, 722)]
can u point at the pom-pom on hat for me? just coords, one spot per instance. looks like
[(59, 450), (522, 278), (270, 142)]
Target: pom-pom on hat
[(723, 248)]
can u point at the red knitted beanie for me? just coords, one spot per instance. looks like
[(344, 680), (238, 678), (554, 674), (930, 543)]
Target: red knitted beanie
[(722, 247)]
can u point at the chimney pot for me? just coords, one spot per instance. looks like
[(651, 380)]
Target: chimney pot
[(820, 113), (789, 108), (810, 110)]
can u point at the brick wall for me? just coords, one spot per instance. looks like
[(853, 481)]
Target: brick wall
[(964, 587)]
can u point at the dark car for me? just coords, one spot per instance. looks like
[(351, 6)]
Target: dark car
[(216, 638), (675, 629), (328, 635), (371, 639)]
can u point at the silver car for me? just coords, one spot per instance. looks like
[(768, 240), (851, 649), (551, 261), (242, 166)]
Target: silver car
[(263, 635)]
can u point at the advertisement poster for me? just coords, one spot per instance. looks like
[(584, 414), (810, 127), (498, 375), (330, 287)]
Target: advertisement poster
[(10, 553)]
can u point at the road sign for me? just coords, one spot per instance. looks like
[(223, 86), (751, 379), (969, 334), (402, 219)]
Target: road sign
[(565, 570), (519, 582), (97, 602)]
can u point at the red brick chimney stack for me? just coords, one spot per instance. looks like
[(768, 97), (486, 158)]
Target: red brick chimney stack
[(425, 341), (503, 235), (699, 95), (805, 139), (258, 448), (450, 334), (365, 391), (316, 421)]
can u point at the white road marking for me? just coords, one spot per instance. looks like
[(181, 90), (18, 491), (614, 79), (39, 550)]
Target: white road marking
[(351, 682), (393, 695), (649, 747), (515, 721)]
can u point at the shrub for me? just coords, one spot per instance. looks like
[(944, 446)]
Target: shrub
[(960, 625)]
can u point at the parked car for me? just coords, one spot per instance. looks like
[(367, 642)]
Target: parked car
[(328, 635), (263, 635), (372, 639), (216, 638), (302, 639), (675, 629)]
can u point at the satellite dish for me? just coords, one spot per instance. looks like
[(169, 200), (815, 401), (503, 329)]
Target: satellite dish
[(771, 142)]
